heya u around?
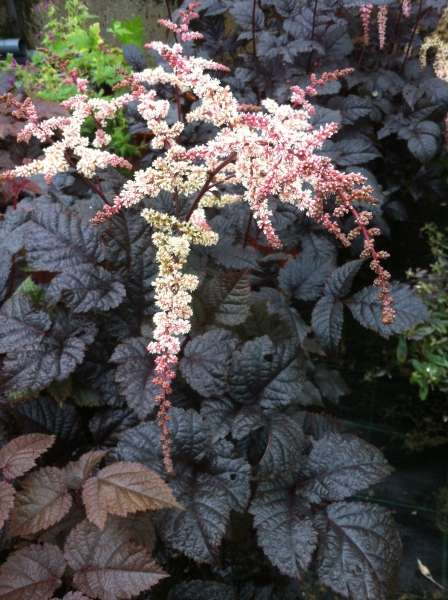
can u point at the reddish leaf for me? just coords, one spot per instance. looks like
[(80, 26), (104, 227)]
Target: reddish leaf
[(19, 455), (106, 565), (47, 109), (32, 573), (7, 494), (139, 529), (76, 472), (42, 501), (124, 488), (13, 188)]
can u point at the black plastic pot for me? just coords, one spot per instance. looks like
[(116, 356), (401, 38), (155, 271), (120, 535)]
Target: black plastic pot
[(14, 46)]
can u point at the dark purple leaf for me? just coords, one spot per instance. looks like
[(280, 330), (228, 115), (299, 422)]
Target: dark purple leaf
[(359, 550), (207, 360)]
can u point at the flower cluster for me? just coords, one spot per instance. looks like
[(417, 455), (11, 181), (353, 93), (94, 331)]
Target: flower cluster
[(365, 13), (438, 43), (406, 8), (80, 82), (173, 289), (273, 152), (182, 31), (73, 147), (382, 23)]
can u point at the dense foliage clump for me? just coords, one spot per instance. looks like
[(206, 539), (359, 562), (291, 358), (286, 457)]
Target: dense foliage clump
[(391, 109), (237, 278)]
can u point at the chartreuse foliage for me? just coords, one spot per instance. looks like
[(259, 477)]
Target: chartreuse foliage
[(72, 43), (73, 49)]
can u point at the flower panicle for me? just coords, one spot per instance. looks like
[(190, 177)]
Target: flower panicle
[(365, 13), (406, 8), (273, 152), (382, 15), (437, 43), (299, 95), (182, 30)]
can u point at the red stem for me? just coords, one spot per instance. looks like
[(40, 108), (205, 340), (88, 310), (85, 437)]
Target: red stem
[(364, 231), (246, 233), (231, 158), (95, 187)]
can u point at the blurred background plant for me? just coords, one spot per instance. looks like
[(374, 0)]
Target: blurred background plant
[(72, 41), (425, 348), (73, 48)]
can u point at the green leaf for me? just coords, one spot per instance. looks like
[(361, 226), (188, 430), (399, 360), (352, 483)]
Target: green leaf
[(129, 31), (402, 350)]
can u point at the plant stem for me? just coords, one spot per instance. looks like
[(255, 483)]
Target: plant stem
[(95, 187), (170, 14), (254, 23), (397, 27), (414, 31), (180, 116), (176, 202), (212, 174), (308, 69), (366, 235), (246, 233)]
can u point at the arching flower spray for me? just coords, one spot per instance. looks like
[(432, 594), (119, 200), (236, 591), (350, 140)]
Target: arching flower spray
[(272, 153)]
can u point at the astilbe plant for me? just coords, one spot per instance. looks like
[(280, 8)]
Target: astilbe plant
[(261, 487), (390, 109), (260, 155), (103, 561)]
